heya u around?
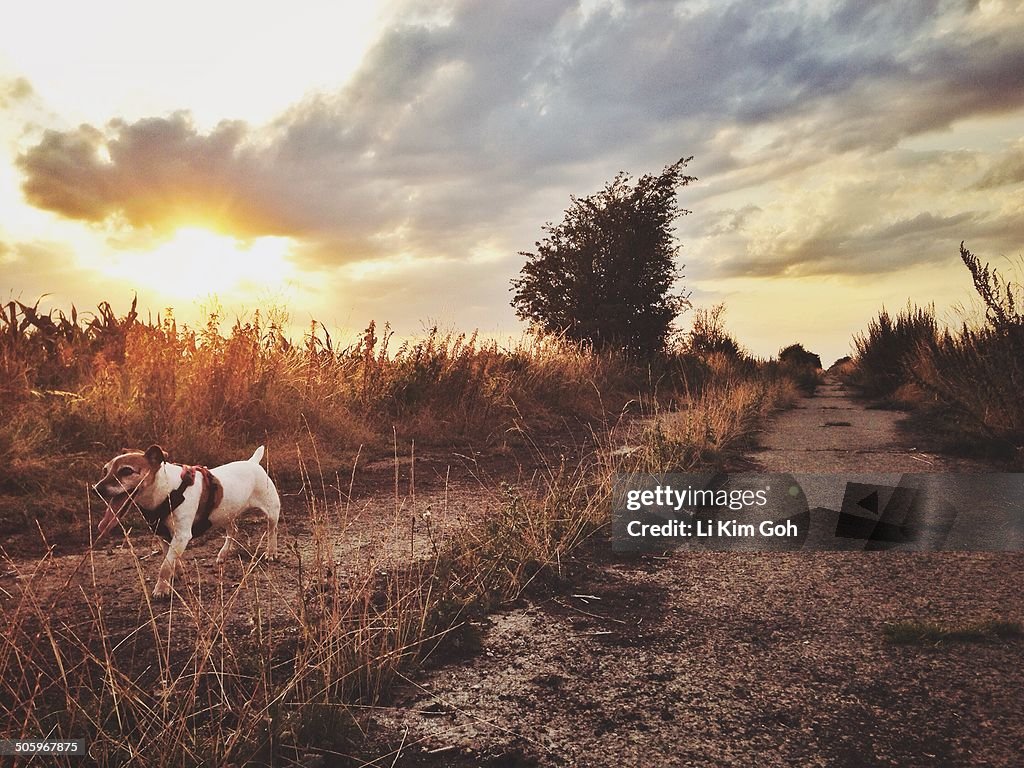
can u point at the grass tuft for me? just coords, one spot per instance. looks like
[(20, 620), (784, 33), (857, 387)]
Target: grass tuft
[(929, 633)]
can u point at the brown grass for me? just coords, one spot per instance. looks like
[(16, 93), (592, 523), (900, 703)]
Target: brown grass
[(187, 686), (966, 380), (246, 673)]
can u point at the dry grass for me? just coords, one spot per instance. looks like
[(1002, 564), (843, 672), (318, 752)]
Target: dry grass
[(76, 390), (718, 423), (250, 672), (969, 379)]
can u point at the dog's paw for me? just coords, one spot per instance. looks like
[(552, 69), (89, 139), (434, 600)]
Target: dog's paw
[(273, 556), (162, 591)]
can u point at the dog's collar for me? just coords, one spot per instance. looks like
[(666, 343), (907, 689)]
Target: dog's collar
[(209, 499)]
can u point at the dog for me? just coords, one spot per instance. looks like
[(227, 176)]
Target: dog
[(181, 502)]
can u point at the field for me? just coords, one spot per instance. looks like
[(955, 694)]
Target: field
[(447, 593), (424, 487)]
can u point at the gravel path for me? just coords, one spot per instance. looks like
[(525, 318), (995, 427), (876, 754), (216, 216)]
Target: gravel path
[(739, 659), (833, 432)]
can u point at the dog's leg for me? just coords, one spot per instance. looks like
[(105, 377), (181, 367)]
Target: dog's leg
[(273, 512), (174, 551), (231, 534)]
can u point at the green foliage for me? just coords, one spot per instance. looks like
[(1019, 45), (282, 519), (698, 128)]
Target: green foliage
[(606, 274)]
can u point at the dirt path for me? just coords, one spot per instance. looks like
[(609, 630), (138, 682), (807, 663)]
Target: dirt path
[(380, 524), (834, 432), (768, 659)]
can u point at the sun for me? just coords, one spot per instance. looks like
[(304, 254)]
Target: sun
[(197, 262)]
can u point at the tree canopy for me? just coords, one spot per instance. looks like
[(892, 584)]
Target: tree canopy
[(607, 274)]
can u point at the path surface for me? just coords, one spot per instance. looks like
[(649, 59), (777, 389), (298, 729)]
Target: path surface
[(833, 432), (739, 659)]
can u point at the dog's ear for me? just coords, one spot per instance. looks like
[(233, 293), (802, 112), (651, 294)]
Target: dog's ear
[(155, 456)]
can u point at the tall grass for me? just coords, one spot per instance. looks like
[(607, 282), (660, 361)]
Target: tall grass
[(130, 380), (972, 376), (82, 387), (285, 662), (264, 671), (77, 388), (977, 373), (719, 423), (888, 346)]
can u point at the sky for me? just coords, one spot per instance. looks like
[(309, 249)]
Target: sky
[(358, 161)]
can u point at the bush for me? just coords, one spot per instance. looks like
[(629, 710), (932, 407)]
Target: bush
[(606, 274), (708, 334), (888, 345), (973, 375), (803, 366)]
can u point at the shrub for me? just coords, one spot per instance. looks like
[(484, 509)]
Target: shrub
[(803, 366), (708, 334), (606, 274), (888, 345), (974, 374)]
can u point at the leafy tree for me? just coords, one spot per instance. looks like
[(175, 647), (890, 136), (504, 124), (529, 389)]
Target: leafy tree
[(606, 274)]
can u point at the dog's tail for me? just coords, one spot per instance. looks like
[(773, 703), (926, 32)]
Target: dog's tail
[(257, 457)]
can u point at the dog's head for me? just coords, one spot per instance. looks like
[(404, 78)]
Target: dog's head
[(126, 476)]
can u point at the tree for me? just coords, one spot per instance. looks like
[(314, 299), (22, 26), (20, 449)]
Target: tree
[(606, 274)]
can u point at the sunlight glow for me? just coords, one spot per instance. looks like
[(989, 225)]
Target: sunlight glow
[(197, 262)]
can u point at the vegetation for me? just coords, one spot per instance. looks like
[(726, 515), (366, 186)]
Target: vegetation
[(291, 666), (606, 274), (971, 377), (287, 670), (803, 366), (76, 389), (887, 348), (929, 633), (709, 336), (795, 354)]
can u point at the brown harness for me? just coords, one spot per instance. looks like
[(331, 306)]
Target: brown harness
[(209, 499)]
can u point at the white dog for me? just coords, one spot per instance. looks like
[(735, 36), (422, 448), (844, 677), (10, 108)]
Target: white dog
[(181, 501)]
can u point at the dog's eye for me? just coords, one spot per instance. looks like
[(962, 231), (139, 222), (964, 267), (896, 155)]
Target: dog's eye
[(125, 471)]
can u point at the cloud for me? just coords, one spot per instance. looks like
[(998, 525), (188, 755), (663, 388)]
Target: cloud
[(1005, 169), (39, 270), (14, 90), (156, 172), (475, 124), (857, 215)]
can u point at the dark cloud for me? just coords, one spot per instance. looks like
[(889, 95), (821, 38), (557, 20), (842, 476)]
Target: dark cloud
[(477, 127), (156, 172), (841, 246)]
